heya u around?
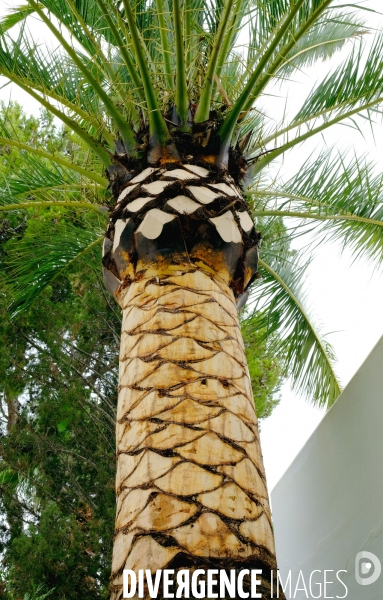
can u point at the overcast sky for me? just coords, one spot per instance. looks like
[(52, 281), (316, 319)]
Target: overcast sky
[(346, 298)]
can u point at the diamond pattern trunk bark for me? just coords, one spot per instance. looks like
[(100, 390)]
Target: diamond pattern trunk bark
[(190, 483)]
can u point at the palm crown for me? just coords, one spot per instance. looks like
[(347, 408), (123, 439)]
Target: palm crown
[(143, 82)]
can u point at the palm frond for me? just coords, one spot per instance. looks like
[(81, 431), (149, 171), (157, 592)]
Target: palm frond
[(309, 358), (344, 196), (203, 108), (157, 123), (283, 37), (296, 23), (322, 41), (53, 158), (112, 19), (353, 88), (15, 16), (165, 46), (43, 180), (181, 96), (358, 81), (39, 183), (54, 75), (326, 35), (35, 82), (124, 128), (45, 251)]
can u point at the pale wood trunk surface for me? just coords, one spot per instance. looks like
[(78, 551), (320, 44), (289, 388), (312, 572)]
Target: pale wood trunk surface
[(190, 477)]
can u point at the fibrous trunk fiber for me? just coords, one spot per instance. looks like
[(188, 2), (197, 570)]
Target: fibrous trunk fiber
[(190, 478)]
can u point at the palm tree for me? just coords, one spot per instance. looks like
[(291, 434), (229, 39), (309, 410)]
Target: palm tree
[(169, 112)]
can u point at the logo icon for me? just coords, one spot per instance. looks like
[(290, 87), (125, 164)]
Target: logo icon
[(366, 563)]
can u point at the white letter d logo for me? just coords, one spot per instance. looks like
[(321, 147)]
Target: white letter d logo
[(363, 563)]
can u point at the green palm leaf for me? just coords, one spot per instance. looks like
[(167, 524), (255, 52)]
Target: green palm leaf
[(52, 158), (47, 250), (309, 358), (322, 41), (350, 84), (16, 15), (54, 75), (41, 181), (353, 88), (342, 199)]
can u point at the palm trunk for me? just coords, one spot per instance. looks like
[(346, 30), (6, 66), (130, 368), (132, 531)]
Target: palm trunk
[(190, 481)]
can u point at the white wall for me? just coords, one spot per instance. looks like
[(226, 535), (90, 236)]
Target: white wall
[(328, 506)]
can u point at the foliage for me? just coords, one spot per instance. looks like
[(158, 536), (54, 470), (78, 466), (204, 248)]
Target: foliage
[(58, 381), (57, 453), (265, 362)]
